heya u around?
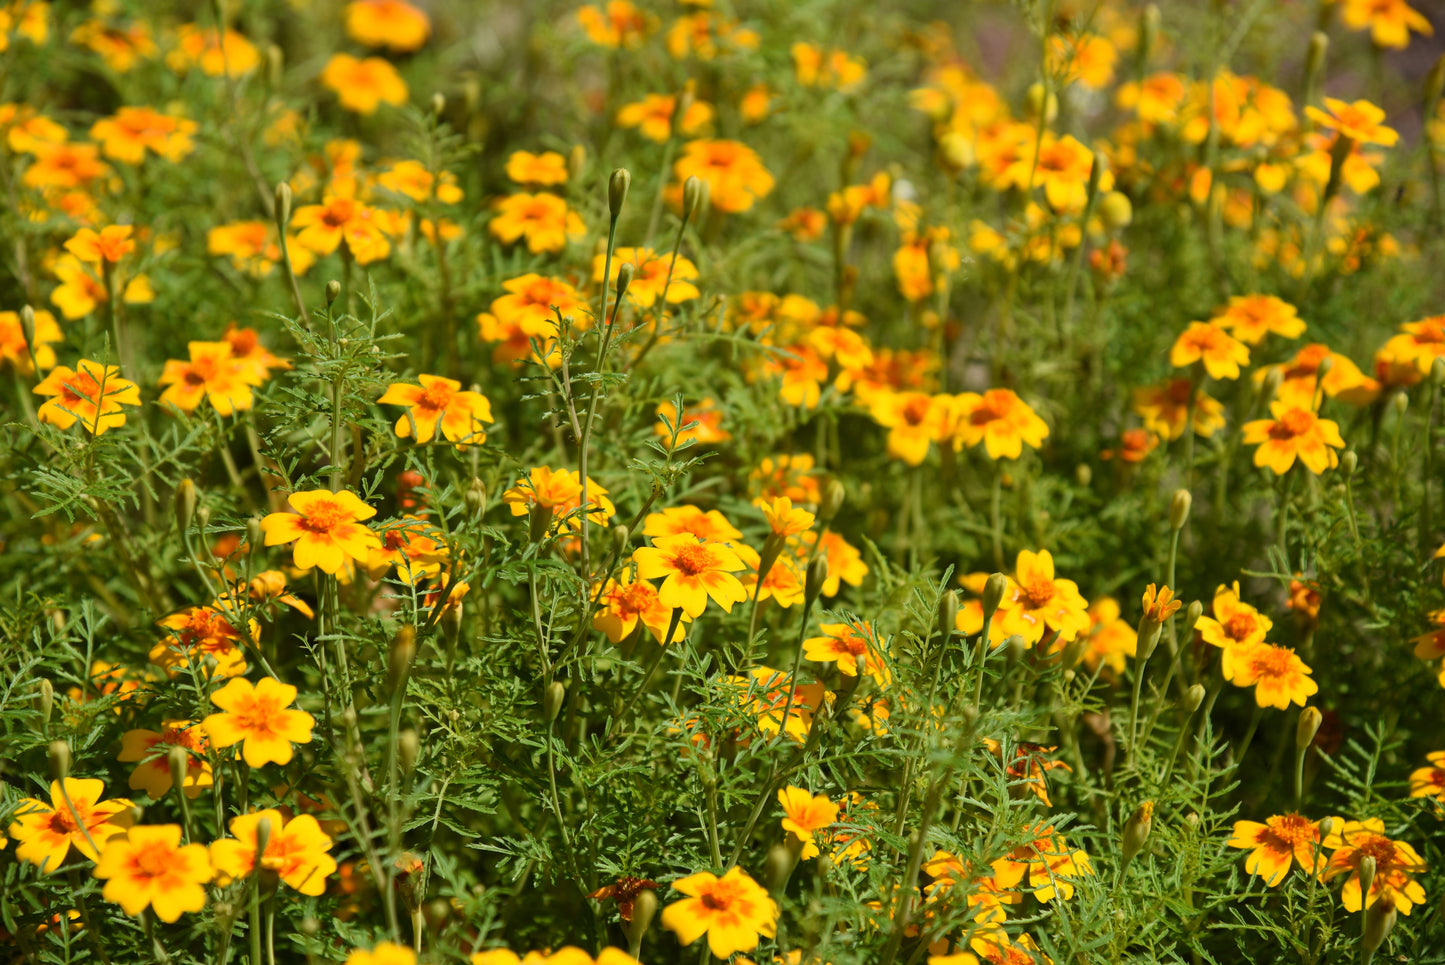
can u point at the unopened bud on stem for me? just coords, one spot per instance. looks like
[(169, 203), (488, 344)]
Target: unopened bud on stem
[(283, 205), (1136, 831), (832, 499), (617, 187), (552, 700), (1179, 508), (1308, 726), (813, 583), (59, 753), (184, 504), (947, 615), (993, 591), (403, 652)]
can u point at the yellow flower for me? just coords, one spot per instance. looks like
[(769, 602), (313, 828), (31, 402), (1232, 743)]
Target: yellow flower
[(1278, 676), (848, 644), (1235, 623), (363, 85), (914, 420), (1294, 432), (710, 526), (1165, 409), (1250, 317), (94, 395), (834, 68), (204, 631), (213, 375), (543, 219), (38, 354), (1360, 121), (296, 851), (76, 817), (733, 911), (650, 275), (1275, 845), (617, 24), (783, 517), (439, 402), (326, 528), (652, 116), (1221, 354), (148, 867), (1395, 865), (149, 750), (385, 953), (394, 24), (197, 45), (1000, 420), (542, 170), (1037, 601), (257, 718), (133, 131), (733, 172), (805, 814), (691, 571), (1389, 21)]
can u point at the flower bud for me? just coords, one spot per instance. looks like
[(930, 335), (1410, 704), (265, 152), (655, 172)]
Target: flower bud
[(1339, 153), (1273, 376), (1192, 613), (1308, 726), (1379, 922), (1136, 831), (1400, 403), (1326, 366), (275, 66), (1193, 697), (184, 504), (59, 753), (1084, 474), (283, 205), (203, 517), (1116, 209), (408, 745), (403, 652), (993, 591), (1366, 870), (782, 859), (621, 539), (263, 839), (624, 279), (45, 700), (1148, 639), (947, 614), (1326, 825), (1315, 60), (539, 522), (1148, 31), (1437, 370), (1179, 508), (553, 699), (644, 909), (813, 583), (617, 187), (438, 103), (834, 493), (476, 498), (1039, 100), (1016, 646), (333, 291), (179, 762), (1348, 462), (255, 536), (694, 189), (576, 160)]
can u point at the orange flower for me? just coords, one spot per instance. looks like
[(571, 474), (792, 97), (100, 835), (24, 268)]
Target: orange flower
[(1160, 605), (323, 227), (793, 476), (691, 571), (783, 583), (1221, 354), (1134, 446), (148, 867), (1036, 601), (652, 116), (704, 423), (1389, 21), (1360, 121), (1086, 58), (733, 911), (149, 749), (1420, 343), (847, 645), (414, 547), (619, 24), (326, 528), (1294, 432), (75, 817), (1049, 862), (733, 171), (213, 375), (109, 246), (394, 24), (1275, 845), (296, 851), (1235, 623), (650, 276), (1430, 781), (37, 354), (560, 490), (914, 420), (1061, 167), (438, 402), (363, 85), (1110, 638), (257, 718), (254, 358), (134, 130), (804, 224), (710, 526), (783, 518), (845, 563), (1156, 99), (543, 170), (65, 166), (204, 631), (1277, 675), (530, 301), (1165, 409), (94, 395), (413, 180), (1000, 420), (815, 67), (1395, 864), (253, 248), (119, 46), (625, 602), (543, 219), (805, 814), (1250, 317), (228, 54)]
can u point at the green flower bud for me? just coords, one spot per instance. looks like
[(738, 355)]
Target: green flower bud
[(59, 753), (832, 499), (476, 498), (178, 759), (1192, 613), (403, 652), (184, 504), (333, 291), (1193, 697), (617, 187), (283, 205), (1379, 922), (993, 592), (408, 746), (1179, 508), (813, 583), (947, 614), (1136, 831), (644, 909), (624, 279), (553, 699), (694, 192), (539, 522), (1307, 727), (1366, 870)]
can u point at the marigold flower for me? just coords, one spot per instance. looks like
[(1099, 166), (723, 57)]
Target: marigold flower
[(1294, 432), (804, 224), (413, 180), (733, 171), (133, 131), (733, 911), (256, 716), (1159, 605), (1165, 409), (1278, 676), (914, 420), (710, 526), (110, 245), (92, 393), (997, 948), (364, 85), (1049, 862), (691, 571), (437, 402), (323, 227), (1250, 317), (783, 518), (395, 24), (296, 851), (149, 750), (1276, 844), (617, 24), (805, 814), (1235, 623), (1420, 343), (562, 491), (543, 219), (1086, 58), (410, 544), (815, 67), (783, 584), (212, 375), (198, 46), (541, 170), (47, 832), (1110, 638), (1061, 167), (793, 476), (326, 528), (1395, 864), (1211, 345), (652, 116), (530, 302), (1429, 781), (385, 953), (650, 275), (255, 359), (253, 248), (802, 372), (204, 631), (37, 354), (846, 644), (65, 165), (765, 694), (845, 562), (1036, 601), (1000, 420), (704, 422), (148, 867), (624, 603), (1360, 121), (121, 47), (1389, 23)]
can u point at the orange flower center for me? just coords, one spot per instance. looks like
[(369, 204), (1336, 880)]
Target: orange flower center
[(915, 410), (258, 717), (152, 861), (1272, 662), (1293, 829), (1241, 626), (436, 397), (693, 560), (324, 517), (62, 822), (79, 385), (1037, 593), (1294, 423), (634, 598)]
